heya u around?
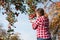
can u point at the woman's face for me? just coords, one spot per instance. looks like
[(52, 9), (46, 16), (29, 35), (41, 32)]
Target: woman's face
[(37, 14)]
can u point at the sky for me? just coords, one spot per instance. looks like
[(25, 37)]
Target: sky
[(23, 25)]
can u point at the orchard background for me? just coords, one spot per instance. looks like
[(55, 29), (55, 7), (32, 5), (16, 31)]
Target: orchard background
[(15, 16)]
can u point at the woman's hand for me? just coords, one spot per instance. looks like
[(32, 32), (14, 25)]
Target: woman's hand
[(32, 21)]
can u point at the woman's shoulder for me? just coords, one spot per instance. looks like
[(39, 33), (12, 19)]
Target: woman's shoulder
[(40, 18), (44, 18)]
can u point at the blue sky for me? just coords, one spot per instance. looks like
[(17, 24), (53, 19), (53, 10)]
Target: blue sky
[(23, 25)]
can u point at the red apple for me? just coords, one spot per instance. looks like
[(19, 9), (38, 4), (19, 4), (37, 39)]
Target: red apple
[(16, 14), (9, 26), (34, 14), (31, 16), (17, 8), (33, 7), (29, 3)]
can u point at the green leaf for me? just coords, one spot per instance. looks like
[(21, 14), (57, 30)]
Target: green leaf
[(11, 30)]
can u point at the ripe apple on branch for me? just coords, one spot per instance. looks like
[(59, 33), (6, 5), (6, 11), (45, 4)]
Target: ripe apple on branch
[(32, 15)]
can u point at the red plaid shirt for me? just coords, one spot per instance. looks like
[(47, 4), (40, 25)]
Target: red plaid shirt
[(41, 26)]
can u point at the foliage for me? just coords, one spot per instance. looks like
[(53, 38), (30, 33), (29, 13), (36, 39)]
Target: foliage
[(56, 16), (55, 12), (20, 6), (8, 35), (11, 17)]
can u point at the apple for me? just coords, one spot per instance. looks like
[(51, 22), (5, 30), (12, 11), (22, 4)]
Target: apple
[(17, 8), (16, 14), (31, 16), (9, 27), (29, 3)]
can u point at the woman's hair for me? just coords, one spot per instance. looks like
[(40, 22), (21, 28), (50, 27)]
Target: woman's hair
[(41, 11)]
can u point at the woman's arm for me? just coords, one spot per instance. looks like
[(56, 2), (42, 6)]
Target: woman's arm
[(35, 23)]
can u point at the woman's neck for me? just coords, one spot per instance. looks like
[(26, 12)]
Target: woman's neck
[(39, 16)]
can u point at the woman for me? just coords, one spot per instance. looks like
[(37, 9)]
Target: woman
[(41, 25)]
